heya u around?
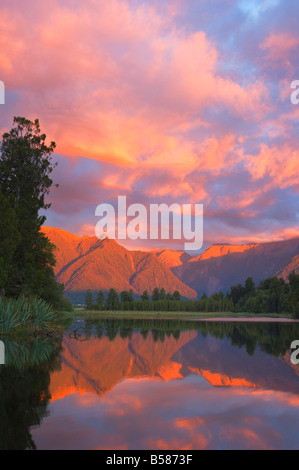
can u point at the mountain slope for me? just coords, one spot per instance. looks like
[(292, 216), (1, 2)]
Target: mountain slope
[(173, 259), (88, 263), (215, 251), (210, 274), (293, 265), (68, 246)]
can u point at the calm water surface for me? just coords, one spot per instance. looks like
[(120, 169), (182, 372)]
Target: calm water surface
[(152, 384)]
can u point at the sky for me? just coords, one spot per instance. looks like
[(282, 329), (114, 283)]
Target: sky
[(163, 102)]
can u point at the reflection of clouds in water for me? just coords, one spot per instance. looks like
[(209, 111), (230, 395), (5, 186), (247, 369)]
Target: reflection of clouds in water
[(195, 392), (180, 414)]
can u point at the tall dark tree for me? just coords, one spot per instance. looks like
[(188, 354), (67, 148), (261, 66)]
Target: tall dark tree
[(100, 299), (9, 239), (127, 296), (112, 301), (155, 294), (162, 294), (88, 300), (145, 296), (294, 293), (25, 169), (176, 295), (249, 286), (124, 296), (131, 296), (236, 293)]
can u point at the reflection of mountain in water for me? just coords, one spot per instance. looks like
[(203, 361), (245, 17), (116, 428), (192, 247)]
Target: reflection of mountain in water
[(98, 364), (222, 364)]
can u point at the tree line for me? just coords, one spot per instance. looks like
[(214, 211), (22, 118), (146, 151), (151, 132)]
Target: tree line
[(126, 301), (272, 338), (272, 295)]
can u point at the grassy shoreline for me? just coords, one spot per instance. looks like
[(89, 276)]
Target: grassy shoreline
[(180, 315), (56, 327)]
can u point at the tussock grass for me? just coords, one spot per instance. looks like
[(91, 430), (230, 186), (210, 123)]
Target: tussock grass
[(15, 313)]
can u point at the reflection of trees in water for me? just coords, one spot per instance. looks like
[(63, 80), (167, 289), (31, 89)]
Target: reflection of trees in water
[(31, 353), (126, 332), (273, 338), (25, 378), (24, 390)]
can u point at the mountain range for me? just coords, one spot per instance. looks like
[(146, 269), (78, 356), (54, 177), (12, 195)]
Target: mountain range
[(89, 263)]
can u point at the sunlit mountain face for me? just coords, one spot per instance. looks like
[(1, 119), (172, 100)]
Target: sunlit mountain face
[(89, 263), (122, 385)]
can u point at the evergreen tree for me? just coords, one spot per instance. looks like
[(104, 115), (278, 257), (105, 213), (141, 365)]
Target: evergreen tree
[(25, 169), (294, 293), (249, 286), (162, 294), (9, 239), (112, 302), (127, 296), (236, 293), (145, 296), (88, 300), (155, 294), (100, 299), (124, 296), (176, 295), (131, 296)]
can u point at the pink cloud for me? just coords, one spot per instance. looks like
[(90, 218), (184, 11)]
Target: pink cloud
[(112, 82), (157, 104), (278, 163), (278, 46)]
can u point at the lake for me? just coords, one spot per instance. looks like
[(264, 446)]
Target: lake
[(152, 384)]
